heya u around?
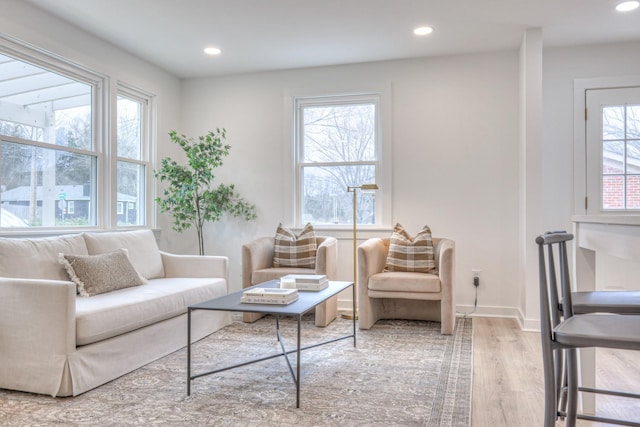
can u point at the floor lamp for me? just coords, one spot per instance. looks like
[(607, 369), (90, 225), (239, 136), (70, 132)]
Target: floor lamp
[(363, 187)]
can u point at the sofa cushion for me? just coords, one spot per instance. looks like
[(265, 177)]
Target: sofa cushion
[(408, 253), (107, 315), (97, 274), (141, 244), (295, 251), (404, 282), (38, 258)]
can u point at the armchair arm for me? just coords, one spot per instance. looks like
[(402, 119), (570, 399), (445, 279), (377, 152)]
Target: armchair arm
[(444, 252), (444, 257), (256, 255), (327, 258), (195, 265), (37, 333), (372, 257)]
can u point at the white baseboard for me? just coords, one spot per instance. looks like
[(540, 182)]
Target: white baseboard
[(480, 311)]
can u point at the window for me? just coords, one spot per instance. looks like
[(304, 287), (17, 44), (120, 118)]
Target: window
[(613, 150), (132, 163), (48, 153), (56, 168), (621, 157), (337, 146)]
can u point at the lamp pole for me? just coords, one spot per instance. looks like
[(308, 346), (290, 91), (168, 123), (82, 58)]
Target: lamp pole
[(355, 247)]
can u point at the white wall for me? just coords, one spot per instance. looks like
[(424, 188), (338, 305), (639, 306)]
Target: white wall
[(530, 185), (455, 156)]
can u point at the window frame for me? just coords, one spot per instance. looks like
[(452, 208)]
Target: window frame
[(103, 139), (147, 101), (583, 204), (293, 177)]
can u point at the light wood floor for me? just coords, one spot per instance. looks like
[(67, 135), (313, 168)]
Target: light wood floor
[(508, 381)]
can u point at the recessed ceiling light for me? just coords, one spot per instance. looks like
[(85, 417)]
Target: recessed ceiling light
[(423, 31), (212, 51), (627, 6)]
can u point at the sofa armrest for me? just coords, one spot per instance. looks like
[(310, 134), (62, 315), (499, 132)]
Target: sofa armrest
[(195, 265), (327, 258), (37, 333), (256, 255)]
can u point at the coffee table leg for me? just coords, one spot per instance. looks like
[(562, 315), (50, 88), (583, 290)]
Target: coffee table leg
[(298, 367), (189, 352)]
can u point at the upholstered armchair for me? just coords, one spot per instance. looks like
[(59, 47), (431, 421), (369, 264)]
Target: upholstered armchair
[(405, 295), (257, 267)]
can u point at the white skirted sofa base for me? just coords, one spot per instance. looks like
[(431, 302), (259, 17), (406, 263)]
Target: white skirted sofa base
[(54, 342)]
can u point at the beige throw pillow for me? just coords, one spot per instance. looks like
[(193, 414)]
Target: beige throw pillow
[(295, 251), (411, 254), (98, 274)]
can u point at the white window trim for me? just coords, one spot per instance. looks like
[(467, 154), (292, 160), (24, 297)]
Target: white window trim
[(383, 167), (580, 87)]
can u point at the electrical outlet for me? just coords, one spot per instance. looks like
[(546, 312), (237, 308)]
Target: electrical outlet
[(476, 277)]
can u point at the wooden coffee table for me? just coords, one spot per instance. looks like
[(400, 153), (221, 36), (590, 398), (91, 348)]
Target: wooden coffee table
[(307, 301)]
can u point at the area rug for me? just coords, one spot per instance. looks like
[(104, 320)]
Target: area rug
[(401, 373)]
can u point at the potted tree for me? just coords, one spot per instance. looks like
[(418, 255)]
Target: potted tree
[(190, 196)]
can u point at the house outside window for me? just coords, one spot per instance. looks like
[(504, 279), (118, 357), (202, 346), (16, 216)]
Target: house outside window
[(337, 145)]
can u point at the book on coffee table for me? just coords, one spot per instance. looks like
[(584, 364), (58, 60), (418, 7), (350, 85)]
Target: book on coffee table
[(269, 296), (309, 282)]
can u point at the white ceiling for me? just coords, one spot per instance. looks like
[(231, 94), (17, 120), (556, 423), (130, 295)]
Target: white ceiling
[(260, 35)]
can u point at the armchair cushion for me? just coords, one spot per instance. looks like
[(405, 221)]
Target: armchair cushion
[(98, 274), (295, 251), (411, 254), (404, 282)]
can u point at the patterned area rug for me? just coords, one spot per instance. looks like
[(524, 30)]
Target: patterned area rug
[(402, 373)]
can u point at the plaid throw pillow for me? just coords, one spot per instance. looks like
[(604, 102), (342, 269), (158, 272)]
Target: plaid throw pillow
[(295, 251), (411, 254)]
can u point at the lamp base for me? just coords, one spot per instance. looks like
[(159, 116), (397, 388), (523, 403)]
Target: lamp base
[(350, 315)]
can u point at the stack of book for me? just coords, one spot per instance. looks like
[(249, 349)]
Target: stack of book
[(309, 282), (269, 296)]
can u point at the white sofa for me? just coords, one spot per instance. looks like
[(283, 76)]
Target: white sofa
[(54, 342)]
